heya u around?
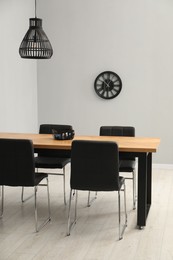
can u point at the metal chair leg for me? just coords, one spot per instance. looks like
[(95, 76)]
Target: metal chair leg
[(65, 202), (121, 232), (125, 208), (37, 228), (92, 200), (22, 196), (134, 189), (62, 174), (22, 193), (2, 201), (70, 224), (64, 184), (119, 214), (48, 199)]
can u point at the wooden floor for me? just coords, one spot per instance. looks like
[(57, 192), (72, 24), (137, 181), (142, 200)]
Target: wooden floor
[(95, 237)]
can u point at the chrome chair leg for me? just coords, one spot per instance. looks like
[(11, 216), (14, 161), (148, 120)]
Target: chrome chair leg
[(70, 224), (64, 184), (121, 232), (36, 214), (22, 196), (134, 189), (22, 193), (119, 214), (65, 202), (92, 200), (37, 228), (62, 174), (125, 207), (2, 201), (48, 199)]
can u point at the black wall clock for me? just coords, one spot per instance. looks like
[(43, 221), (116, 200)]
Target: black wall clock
[(108, 85)]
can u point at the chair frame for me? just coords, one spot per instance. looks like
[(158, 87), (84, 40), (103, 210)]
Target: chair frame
[(48, 219), (95, 186), (52, 126), (72, 223), (27, 144), (43, 131), (64, 185), (64, 181)]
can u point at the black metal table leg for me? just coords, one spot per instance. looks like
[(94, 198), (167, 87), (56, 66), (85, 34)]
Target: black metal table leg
[(142, 190), (149, 179), (144, 187)]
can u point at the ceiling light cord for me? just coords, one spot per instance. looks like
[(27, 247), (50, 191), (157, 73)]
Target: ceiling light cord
[(35, 9)]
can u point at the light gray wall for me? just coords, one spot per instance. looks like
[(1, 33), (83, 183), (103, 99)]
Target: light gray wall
[(18, 77), (131, 38)]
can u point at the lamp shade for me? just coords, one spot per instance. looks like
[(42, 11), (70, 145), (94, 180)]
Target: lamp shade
[(35, 44)]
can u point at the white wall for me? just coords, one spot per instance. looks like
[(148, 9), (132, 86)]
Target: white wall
[(131, 38), (18, 77)]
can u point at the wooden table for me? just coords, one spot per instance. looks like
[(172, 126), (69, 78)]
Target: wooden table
[(140, 147)]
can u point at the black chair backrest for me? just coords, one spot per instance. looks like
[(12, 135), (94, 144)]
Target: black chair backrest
[(119, 131), (16, 162), (47, 129), (94, 165)]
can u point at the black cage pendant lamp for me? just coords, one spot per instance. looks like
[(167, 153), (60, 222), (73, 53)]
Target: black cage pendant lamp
[(35, 44)]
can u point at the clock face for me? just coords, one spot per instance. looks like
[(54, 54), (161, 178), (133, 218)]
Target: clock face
[(108, 85)]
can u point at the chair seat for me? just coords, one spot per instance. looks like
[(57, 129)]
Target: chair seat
[(95, 187), (51, 162), (39, 177), (127, 165)]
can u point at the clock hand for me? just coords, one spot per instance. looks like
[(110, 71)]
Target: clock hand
[(106, 83)]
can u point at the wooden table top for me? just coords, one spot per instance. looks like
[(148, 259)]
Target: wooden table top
[(125, 144)]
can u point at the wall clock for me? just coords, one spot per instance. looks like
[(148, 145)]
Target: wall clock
[(108, 85)]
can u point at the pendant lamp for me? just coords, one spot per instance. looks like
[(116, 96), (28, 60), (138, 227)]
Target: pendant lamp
[(35, 44)]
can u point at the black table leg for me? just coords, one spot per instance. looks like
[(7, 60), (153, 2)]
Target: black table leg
[(149, 179), (142, 190), (144, 187)]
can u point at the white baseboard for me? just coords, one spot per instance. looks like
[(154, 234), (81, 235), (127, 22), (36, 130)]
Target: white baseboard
[(162, 166)]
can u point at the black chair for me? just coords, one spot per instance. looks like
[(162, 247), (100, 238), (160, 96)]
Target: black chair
[(127, 162), (53, 159), (95, 167), (17, 168)]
